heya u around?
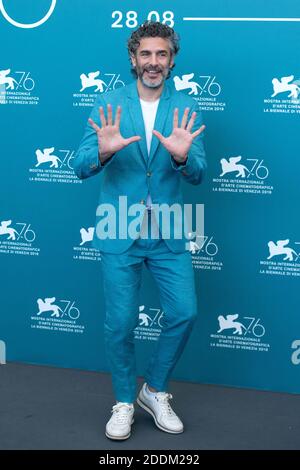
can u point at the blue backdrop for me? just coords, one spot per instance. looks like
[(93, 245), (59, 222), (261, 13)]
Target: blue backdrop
[(240, 62)]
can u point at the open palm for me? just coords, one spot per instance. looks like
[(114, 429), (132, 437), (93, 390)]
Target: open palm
[(178, 143), (110, 139)]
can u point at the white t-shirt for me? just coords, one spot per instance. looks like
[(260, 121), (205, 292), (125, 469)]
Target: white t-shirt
[(149, 109)]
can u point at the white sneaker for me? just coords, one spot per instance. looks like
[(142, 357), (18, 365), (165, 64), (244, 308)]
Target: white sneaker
[(119, 425), (157, 404)]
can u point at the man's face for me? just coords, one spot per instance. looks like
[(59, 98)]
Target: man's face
[(152, 61)]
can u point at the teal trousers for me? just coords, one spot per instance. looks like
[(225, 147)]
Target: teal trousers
[(174, 276)]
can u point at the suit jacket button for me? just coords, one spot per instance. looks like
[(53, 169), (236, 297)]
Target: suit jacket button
[(149, 173), (142, 201)]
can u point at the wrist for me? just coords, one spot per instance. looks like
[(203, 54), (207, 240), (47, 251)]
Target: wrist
[(103, 157), (180, 160)]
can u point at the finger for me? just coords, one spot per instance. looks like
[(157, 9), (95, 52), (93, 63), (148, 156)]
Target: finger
[(102, 117), (118, 116), (130, 140), (201, 129), (185, 117), (94, 125), (191, 122), (175, 118), (109, 115), (158, 135)]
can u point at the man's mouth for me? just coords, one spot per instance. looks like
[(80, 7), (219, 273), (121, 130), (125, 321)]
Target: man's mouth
[(153, 73)]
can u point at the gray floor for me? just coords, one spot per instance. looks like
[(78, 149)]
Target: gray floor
[(52, 408)]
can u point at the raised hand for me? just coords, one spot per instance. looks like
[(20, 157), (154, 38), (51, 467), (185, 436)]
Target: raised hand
[(110, 139), (178, 143)]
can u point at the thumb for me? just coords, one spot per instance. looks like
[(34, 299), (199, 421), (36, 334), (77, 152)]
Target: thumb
[(158, 135), (130, 140)]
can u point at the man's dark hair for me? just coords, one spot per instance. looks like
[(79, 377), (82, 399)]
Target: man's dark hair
[(153, 29)]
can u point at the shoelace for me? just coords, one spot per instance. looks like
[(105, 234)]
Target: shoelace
[(121, 411), (163, 398)]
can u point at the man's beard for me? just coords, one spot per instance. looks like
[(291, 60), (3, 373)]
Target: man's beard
[(156, 83)]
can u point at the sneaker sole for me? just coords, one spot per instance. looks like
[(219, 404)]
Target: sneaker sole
[(146, 408), (119, 438)]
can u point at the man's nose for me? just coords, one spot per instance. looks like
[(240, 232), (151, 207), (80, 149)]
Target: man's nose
[(154, 60)]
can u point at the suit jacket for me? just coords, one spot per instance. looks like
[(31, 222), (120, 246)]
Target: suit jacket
[(131, 172)]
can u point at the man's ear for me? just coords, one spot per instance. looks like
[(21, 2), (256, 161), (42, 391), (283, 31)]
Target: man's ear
[(133, 60), (172, 61)]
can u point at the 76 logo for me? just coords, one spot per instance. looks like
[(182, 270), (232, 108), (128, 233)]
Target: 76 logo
[(23, 81), (24, 233), (204, 244)]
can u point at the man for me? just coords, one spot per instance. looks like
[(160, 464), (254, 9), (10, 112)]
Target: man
[(143, 155)]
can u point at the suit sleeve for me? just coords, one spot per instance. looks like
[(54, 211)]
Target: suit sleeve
[(86, 161), (193, 169)]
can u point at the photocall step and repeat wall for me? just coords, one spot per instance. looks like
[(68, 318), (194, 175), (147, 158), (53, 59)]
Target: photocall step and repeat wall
[(240, 62)]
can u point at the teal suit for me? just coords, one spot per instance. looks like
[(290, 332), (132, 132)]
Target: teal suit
[(133, 173)]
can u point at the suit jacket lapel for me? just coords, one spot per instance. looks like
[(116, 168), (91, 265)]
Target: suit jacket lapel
[(138, 121), (137, 118), (160, 119)]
